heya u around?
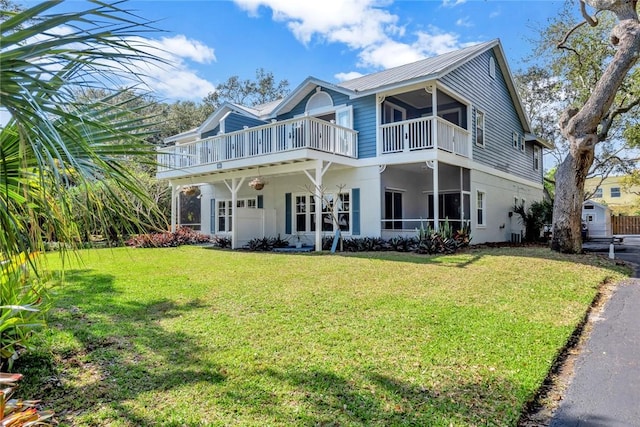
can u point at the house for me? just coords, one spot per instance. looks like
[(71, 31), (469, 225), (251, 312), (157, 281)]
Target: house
[(442, 139), (597, 218), (612, 191)]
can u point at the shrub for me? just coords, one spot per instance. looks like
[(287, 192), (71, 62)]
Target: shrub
[(182, 236), (22, 308), (222, 242), (534, 218), (17, 413), (265, 244)]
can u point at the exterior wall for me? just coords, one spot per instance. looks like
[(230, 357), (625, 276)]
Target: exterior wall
[(491, 96), (619, 205), (598, 219), (367, 179), (234, 122), (364, 118), (500, 193)]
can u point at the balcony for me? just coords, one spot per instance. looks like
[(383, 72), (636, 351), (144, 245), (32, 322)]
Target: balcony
[(418, 134), (279, 137)]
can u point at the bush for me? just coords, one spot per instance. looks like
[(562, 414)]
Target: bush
[(222, 242), (265, 244), (182, 236), (17, 413), (22, 308)]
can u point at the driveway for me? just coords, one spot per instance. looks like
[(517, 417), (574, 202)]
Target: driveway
[(605, 389)]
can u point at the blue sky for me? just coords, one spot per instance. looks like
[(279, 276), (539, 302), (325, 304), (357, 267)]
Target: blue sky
[(208, 41)]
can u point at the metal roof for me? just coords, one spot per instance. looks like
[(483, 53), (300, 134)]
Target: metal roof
[(434, 66)]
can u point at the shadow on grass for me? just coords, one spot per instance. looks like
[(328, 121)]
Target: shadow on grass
[(472, 255), (332, 400), (117, 351)]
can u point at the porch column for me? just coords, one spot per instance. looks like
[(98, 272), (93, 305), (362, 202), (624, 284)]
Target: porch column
[(316, 180), (174, 207), (234, 187), (318, 196), (434, 103), (436, 197)]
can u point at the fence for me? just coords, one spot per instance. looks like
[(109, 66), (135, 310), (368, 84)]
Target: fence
[(625, 224)]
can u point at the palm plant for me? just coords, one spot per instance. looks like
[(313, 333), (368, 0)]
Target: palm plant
[(56, 139)]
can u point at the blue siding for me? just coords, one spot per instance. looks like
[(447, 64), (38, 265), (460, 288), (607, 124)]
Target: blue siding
[(491, 96), (364, 118), (234, 122), (338, 99), (364, 121), (212, 132)]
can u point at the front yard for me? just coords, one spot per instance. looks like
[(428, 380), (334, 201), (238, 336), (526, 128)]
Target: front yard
[(190, 336)]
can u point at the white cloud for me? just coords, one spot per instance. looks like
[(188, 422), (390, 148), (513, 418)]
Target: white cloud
[(343, 77), (183, 47), (362, 25), (452, 3), (173, 78), (389, 54), (464, 22)]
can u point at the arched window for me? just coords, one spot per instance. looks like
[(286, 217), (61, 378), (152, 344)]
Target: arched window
[(319, 101)]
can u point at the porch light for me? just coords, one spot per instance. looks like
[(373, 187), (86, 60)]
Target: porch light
[(257, 183)]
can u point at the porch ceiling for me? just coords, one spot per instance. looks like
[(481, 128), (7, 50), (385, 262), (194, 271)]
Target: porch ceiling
[(273, 169)]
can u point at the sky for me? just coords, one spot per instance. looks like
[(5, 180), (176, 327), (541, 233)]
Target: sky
[(333, 40)]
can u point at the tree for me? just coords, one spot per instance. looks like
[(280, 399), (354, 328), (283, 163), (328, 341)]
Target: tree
[(604, 90), (56, 140), (248, 92)]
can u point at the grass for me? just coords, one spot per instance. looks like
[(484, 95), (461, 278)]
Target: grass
[(189, 336)]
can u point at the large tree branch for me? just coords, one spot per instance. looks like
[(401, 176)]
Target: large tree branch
[(607, 121), (581, 128)]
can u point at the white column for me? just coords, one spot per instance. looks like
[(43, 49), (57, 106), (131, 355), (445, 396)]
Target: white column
[(434, 103), (233, 188), (318, 184), (436, 197), (174, 207)]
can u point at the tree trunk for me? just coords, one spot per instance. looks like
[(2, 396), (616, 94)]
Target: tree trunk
[(581, 127), (570, 177)]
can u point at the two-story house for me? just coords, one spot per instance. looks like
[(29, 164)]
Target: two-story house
[(444, 138)]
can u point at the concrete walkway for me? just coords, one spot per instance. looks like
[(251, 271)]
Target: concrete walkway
[(605, 389)]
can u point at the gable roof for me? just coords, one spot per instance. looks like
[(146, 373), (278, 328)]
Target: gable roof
[(424, 69)]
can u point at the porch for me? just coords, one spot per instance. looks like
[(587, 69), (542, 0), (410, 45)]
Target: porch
[(423, 118), (433, 194), (257, 143)]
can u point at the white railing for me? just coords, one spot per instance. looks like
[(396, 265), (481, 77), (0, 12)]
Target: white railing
[(417, 134), (285, 135)]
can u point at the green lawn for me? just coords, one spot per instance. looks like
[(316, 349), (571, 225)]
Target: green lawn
[(191, 336)]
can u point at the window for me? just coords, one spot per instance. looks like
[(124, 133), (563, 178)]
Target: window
[(598, 193), (515, 139), (536, 158), (615, 191), (392, 113), (481, 208), (479, 128), (225, 213), (305, 212), (393, 210), (492, 68), (522, 143)]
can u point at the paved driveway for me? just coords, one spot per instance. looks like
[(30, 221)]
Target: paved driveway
[(605, 389)]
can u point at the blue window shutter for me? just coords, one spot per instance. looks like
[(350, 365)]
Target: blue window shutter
[(260, 201), (213, 217), (355, 211), (287, 213)]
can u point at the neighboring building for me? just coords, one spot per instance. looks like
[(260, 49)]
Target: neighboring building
[(612, 192), (442, 138), (597, 218)]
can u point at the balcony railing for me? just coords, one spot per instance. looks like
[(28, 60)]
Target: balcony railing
[(286, 135), (418, 134)]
